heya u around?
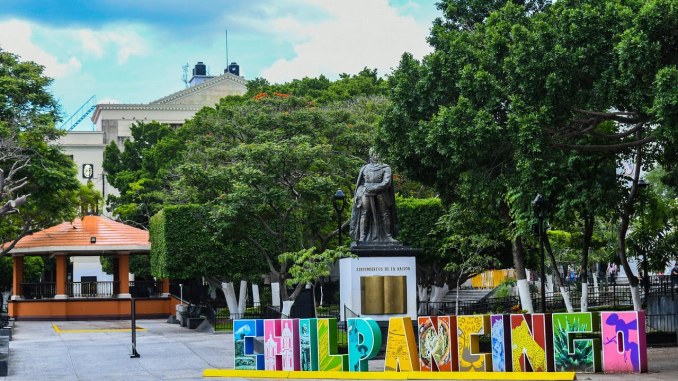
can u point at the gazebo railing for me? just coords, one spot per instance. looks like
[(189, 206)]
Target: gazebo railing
[(104, 289), (101, 289), (38, 290)]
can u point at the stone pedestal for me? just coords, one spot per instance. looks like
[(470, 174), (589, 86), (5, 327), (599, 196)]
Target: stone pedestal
[(381, 283)]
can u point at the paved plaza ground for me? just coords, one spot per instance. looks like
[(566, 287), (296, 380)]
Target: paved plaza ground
[(100, 351)]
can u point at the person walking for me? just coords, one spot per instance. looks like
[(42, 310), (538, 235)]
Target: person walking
[(674, 275), (612, 273)]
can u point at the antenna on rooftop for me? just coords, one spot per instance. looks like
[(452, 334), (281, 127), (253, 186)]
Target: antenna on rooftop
[(184, 76), (227, 61)]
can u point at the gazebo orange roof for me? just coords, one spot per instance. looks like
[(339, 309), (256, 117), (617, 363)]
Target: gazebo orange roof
[(93, 235)]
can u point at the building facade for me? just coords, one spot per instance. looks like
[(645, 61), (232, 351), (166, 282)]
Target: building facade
[(112, 122)]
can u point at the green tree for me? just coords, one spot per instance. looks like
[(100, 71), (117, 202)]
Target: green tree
[(272, 165), (308, 266), (514, 90), (32, 163), (142, 171), (321, 89)]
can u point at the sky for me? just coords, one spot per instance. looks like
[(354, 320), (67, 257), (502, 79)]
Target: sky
[(132, 51)]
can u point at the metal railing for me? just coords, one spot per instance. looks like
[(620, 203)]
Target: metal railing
[(38, 290), (91, 289), (145, 289), (100, 289)]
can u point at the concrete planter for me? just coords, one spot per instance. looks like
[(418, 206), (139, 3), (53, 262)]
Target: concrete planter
[(181, 314)]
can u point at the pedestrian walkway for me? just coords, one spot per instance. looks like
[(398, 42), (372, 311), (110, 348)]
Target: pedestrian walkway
[(96, 350), (100, 351)]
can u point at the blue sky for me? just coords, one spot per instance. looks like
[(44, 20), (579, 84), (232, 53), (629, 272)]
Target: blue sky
[(126, 51)]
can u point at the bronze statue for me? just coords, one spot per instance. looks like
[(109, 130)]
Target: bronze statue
[(373, 219)]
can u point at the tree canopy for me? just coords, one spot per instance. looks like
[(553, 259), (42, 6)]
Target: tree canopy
[(521, 97), (32, 163), (272, 164)]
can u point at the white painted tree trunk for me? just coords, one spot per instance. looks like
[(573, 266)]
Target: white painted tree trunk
[(422, 292), (595, 286), (566, 298), (635, 296), (584, 297), (549, 283), (275, 294), (255, 295), (235, 307), (287, 308), (242, 301), (322, 295), (5, 298), (438, 293), (231, 302), (524, 294)]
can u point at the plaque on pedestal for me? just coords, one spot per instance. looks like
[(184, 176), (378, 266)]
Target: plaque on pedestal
[(378, 287)]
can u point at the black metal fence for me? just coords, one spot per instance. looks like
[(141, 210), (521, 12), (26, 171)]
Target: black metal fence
[(104, 289), (145, 288), (38, 290)]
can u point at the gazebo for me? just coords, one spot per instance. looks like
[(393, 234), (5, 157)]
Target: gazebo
[(63, 299)]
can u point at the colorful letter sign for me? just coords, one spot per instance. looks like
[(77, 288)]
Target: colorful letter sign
[(308, 344), (571, 353), (364, 342), (469, 330), (529, 342), (328, 357), (401, 347), (272, 345), (561, 342), (437, 343), (501, 343), (245, 333), (623, 338)]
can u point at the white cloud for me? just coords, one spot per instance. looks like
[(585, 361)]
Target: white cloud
[(125, 40), (355, 34), (16, 37)]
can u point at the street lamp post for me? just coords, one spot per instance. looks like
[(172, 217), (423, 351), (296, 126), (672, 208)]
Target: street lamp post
[(339, 203), (539, 205)]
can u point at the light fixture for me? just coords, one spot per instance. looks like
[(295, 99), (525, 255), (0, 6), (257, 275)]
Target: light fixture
[(92, 239)]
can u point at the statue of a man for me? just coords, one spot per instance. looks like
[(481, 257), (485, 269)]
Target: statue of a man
[(373, 218)]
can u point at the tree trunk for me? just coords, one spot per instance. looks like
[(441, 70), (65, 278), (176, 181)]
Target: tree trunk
[(623, 229), (315, 306), (523, 286), (564, 292), (236, 308), (229, 293), (423, 300), (635, 297), (242, 301), (439, 292), (583, 273), (456, 309)]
